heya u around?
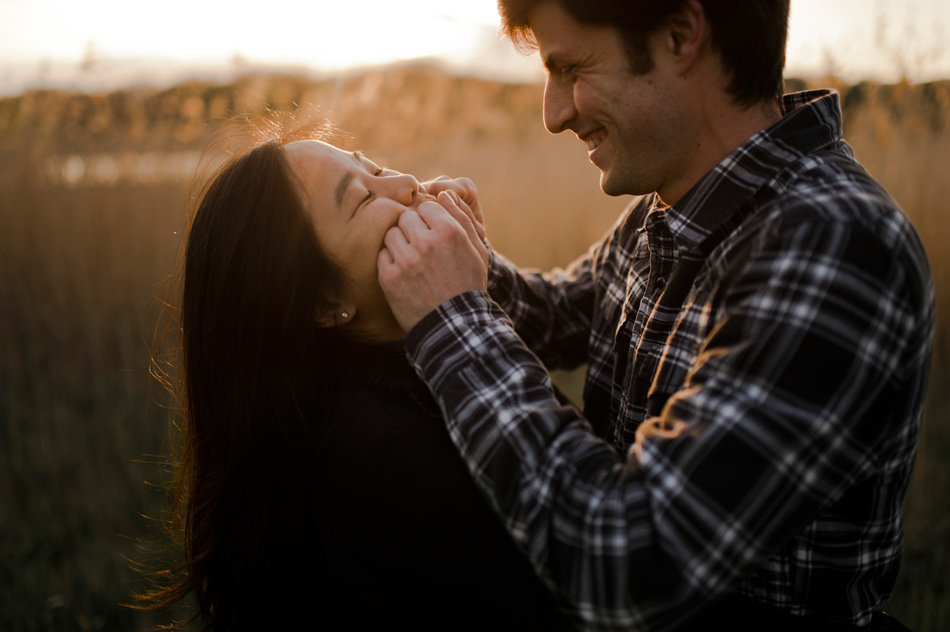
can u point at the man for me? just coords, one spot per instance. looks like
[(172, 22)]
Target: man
[(757, 329)]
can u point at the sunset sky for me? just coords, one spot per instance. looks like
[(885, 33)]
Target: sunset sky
[(854, 39)]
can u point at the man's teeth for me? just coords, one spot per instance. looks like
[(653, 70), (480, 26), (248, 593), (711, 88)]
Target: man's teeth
[(592, 143)]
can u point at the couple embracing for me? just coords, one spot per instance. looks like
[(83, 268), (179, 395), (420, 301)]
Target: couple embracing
[(371, 438)]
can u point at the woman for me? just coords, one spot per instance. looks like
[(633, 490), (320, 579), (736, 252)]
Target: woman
[(317, 483)]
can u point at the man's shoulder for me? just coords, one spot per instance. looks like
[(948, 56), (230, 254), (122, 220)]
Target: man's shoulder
[(831, 209), (816, 176), (830, 187)]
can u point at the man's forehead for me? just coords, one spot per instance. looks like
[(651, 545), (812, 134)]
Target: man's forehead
[(551, 22), (559, 35)]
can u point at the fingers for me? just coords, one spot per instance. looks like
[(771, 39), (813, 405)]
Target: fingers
[(459, 211), (428, 258), (411, 223), (436, 183), (385, 258), (469, 214), (463, 187), (448, 221), (462, 214), (396, 242), (432, 222)]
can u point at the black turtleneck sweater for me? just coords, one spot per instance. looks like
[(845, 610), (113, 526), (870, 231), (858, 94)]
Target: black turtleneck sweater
[(409, 537)]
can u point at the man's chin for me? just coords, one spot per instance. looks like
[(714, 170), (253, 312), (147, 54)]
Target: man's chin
[(613, 185), (610, 186)]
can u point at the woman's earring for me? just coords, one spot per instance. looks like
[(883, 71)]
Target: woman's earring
[(344, 315)]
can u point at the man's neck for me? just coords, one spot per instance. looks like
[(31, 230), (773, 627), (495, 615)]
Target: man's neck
[(717, 124), (718, 134)]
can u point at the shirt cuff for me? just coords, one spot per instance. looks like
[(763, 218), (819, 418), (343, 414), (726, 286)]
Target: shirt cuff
[(502, 275), (466, 327)]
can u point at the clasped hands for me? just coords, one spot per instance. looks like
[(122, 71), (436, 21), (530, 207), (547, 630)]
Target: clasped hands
[(435, 253)]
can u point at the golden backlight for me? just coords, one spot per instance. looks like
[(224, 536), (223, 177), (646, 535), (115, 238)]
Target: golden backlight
[(854, 39)]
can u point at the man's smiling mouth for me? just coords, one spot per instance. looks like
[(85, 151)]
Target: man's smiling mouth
[(595, 139)]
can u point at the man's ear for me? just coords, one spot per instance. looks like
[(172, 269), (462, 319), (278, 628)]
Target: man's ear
[(334, 315), (688, 32)]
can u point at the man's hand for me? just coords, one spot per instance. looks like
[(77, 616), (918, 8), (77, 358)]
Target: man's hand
[(464, 189), (432, 255)]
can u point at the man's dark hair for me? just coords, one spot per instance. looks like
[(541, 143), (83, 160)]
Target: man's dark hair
[(749, 34)]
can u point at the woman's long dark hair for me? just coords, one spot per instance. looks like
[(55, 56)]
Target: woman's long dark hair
[(256, 391)]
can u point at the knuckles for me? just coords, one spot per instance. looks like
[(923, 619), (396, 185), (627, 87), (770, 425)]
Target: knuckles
[(465, 187), (421, 238)]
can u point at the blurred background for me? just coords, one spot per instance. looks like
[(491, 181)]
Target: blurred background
[(105, 108)]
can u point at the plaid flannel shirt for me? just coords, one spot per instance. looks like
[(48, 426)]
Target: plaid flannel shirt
[(777, 394)]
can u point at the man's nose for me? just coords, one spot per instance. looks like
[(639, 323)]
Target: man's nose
[(559, 108)]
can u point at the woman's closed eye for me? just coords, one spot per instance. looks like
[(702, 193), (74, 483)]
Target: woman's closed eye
[(376, 172), (370, 166)]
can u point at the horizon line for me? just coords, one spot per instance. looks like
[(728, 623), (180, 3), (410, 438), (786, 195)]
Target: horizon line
[(158, 72)]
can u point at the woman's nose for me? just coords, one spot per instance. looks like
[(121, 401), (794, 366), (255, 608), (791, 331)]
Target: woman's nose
[(401, 187)]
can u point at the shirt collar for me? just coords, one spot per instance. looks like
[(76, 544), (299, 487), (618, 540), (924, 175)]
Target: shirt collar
[(812, 121)]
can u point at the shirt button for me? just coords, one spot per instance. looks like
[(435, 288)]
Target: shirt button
[(660, 282)]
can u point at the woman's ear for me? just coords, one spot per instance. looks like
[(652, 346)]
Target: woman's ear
[(335, 315)]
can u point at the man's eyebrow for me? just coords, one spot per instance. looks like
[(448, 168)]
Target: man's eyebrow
[(345, 181)]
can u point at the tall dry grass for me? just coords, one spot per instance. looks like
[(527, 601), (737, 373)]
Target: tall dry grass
[(90, 230), (901, 133)]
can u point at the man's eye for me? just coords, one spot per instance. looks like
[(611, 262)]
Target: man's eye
[(567, 73)]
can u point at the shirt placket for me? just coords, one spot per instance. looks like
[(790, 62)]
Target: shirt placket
[(637, 352)]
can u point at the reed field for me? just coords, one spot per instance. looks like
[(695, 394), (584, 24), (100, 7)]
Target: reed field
[(93, 191)]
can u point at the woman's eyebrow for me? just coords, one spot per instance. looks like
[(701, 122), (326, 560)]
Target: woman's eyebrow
[(347, 178), (342, 186)]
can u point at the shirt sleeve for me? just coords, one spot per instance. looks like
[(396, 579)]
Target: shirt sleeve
[(784, 410), (551, 311)]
